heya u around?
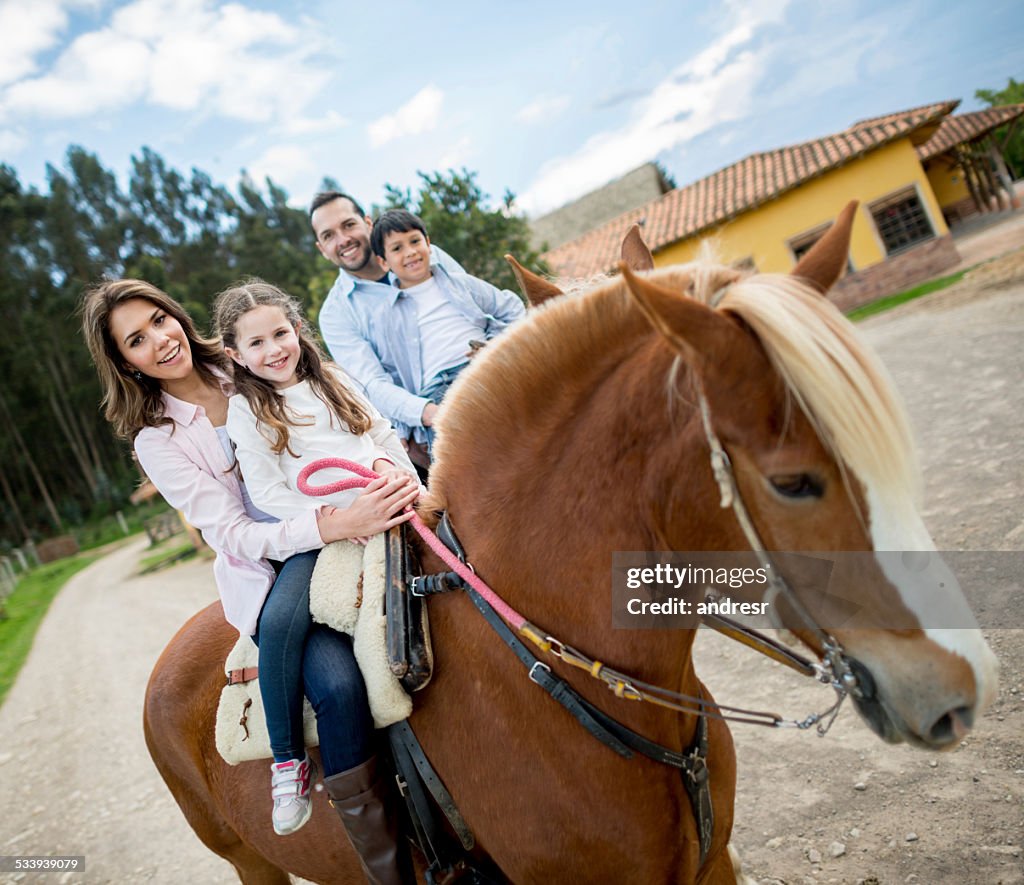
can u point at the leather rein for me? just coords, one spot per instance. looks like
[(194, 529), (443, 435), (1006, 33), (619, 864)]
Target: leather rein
[(834, 669)]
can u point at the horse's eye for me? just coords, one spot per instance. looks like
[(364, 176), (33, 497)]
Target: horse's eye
[(798, 485)]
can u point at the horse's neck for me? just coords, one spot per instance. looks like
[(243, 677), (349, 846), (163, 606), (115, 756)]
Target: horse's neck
[(587, 460)]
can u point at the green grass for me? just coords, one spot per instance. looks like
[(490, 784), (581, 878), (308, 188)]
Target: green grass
[(25, 608), (890, 301)]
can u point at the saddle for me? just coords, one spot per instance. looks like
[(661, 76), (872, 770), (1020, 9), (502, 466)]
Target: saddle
[(410, 655), (366, 593)]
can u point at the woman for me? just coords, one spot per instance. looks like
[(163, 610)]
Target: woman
[(165, 388)]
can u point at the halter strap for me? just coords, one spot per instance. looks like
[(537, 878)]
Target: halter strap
[(835, 668)]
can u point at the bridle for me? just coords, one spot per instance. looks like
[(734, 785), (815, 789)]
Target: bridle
[(834, 669)]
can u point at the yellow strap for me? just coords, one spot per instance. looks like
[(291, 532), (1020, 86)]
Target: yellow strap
[(531, 633)]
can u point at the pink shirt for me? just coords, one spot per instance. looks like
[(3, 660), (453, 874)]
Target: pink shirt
[(187, 464)]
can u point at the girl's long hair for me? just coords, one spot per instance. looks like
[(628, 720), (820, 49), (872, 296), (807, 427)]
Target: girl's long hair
[(266, 403), (131, 403)]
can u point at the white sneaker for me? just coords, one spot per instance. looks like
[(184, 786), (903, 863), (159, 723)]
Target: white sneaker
[(290, 786)]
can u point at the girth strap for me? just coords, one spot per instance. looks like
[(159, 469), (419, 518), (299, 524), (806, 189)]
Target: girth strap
[(417, 773)]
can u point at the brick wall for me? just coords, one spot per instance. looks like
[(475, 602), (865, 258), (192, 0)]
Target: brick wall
[(895, 274)]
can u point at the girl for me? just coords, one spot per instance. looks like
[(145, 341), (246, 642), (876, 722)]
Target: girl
[(167, 388), (292, 407)]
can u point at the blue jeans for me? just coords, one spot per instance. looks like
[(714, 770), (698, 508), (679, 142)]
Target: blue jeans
[(298, 657), (434, 390)]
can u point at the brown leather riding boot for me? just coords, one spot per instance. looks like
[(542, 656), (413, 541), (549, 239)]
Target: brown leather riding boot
[(361, 799)]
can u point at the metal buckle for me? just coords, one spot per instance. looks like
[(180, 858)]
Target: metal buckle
[(415, 585), (402, 784), (538, 665)]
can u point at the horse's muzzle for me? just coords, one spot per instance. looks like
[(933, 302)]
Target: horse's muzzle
[(943, 731)]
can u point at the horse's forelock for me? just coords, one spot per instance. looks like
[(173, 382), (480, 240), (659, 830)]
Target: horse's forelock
[(838, 381)]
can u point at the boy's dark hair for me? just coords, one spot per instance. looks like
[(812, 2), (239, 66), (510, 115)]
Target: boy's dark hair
[(325, 197), (394, 221)]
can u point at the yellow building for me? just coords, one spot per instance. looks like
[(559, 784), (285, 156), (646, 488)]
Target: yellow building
[(768, 209)]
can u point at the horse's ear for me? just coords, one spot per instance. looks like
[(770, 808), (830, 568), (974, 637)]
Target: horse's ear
[(635, 253), (692, 328), (536, 289), (824, 262)]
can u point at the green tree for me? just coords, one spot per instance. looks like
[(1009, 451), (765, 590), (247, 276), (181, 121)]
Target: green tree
[(273, 240), (1010, 138), (458, 218), (59, 461)]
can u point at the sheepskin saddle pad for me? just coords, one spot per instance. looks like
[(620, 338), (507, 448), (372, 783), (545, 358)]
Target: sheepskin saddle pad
[(347, 594)]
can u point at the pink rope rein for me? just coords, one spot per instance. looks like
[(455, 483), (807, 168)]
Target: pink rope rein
[(361, 480)]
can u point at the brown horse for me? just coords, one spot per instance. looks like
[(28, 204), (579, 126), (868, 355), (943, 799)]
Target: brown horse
[(576, 434)]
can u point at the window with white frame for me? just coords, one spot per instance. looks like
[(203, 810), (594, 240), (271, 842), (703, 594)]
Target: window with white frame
[(902, 221)]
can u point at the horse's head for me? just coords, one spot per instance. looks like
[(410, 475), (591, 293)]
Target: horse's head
[(823, 460), (817, 440)]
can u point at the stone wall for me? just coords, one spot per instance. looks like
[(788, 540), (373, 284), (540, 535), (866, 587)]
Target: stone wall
[(895, 274)]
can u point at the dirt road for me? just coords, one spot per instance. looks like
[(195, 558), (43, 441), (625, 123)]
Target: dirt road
[(75, 777)]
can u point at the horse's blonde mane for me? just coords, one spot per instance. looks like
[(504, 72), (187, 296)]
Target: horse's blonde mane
[(839, 383)]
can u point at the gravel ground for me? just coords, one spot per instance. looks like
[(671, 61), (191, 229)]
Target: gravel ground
[(76, 779)]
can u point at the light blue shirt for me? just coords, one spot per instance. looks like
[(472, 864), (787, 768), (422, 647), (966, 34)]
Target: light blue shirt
[(372, 332)]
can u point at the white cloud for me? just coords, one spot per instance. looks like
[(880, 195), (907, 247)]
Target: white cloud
[(27, 28), (99, 71), (713, 87), (184, 55), (419, 114), (328, 122), (12, 141), (544, 108), (457, 155), (287, 164)]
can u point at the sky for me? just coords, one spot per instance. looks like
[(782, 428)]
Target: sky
[(548, 100)]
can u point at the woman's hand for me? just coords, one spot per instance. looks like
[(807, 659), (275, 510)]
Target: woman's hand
[(380, 506)]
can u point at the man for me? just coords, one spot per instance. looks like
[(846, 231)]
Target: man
[(373, 330)]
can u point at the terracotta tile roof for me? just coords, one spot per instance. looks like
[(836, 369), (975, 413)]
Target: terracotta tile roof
[(745, 185), (966, 127)]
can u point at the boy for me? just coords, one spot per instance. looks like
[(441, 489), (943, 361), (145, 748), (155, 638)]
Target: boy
[(451, 311)]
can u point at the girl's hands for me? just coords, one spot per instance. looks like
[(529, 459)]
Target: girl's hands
[(380, 506)]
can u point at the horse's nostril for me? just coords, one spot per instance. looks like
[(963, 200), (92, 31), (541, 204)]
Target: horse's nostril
[(951, 726)]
